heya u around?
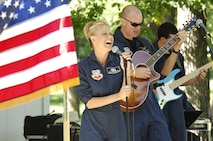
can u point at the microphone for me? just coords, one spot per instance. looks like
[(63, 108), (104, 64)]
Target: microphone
[(126, 49), (200, 23), (116, 50)]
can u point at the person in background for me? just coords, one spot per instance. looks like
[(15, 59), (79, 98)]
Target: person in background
[(147, 122), (102, 86), (173, 59)]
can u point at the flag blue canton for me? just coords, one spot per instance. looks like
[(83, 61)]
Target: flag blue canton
[(15, 11), (7, 12)]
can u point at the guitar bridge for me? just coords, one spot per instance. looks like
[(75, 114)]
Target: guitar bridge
[(134, 86), (155, 85)]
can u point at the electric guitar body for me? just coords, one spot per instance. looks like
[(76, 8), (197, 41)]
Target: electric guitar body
[(164, 93), (165, 90)]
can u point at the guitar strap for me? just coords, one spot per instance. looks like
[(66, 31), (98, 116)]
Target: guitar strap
[(143, 46), (179, 63)]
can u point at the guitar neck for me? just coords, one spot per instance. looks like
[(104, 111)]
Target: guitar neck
[(191, 75), (158, 54)]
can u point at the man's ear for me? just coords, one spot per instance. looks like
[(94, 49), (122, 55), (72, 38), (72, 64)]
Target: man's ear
[(163, 40), (122, 21)]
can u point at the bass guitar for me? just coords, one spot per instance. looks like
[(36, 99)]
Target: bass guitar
[(140, 87), (165, 90)]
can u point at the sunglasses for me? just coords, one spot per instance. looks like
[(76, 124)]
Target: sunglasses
[(132, 23)]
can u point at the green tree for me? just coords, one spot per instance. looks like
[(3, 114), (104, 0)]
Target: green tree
[(82, 13)]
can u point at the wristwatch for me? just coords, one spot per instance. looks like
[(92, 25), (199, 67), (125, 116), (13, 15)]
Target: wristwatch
[(175, 51)]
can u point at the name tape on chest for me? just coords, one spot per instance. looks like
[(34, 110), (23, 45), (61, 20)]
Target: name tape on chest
[(113, 70)]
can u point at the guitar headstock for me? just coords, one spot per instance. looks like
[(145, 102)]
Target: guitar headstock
[(190, 25)]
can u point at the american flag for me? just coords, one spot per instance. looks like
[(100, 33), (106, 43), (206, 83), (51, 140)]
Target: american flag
[(37, 50)]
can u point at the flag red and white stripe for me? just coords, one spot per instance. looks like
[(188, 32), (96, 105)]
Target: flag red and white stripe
[(37, 57)]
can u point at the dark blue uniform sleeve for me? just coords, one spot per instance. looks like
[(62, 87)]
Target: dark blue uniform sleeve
[(83, 91)]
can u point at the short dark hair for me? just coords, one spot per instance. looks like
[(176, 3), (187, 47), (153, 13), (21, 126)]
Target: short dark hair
[(165, 29)]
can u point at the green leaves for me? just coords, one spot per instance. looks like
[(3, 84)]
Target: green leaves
[(154, 11)]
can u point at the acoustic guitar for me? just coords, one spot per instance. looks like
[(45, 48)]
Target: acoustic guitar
[(140, 87)]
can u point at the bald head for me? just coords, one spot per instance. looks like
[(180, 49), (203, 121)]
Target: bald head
[(131, 21), (129, 9)]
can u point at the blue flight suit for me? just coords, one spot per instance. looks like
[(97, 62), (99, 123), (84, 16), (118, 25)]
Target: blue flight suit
[(147, 123), (104, 123), (174, 110)]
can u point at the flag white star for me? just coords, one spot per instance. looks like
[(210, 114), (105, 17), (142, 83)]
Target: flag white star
[(5, 26), (7, 3), (16, 4), (21, 6), (37, 1), (11, 15), (47, 3), (3, 15), (15, 16), (31, 9)]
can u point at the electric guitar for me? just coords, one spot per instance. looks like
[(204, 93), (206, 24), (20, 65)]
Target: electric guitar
[(165, 93), (140, 87)]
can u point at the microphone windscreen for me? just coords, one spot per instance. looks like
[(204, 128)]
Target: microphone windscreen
[(198, 22), (126, 49), (116, 50)]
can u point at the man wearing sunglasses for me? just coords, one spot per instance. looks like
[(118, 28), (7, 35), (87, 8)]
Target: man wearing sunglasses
[(147, 123)]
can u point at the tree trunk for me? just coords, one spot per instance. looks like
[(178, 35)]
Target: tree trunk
[(195, 57)]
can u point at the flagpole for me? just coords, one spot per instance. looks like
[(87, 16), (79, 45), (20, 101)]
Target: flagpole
[(66, 120)]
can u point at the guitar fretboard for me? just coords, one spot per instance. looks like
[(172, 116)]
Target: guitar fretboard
[(158, 54), (191, 75)]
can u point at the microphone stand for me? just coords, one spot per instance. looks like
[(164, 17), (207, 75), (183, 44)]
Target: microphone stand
[(209, 49), (127, 103)]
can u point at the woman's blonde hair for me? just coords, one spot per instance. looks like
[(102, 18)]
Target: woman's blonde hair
[(92, 27)]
